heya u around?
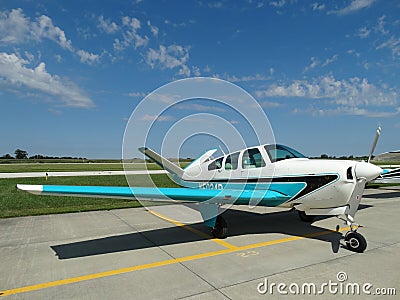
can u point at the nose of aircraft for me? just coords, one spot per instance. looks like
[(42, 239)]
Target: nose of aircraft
[(367, 170)]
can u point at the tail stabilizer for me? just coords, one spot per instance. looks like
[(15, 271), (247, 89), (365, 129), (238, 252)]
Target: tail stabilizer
[(162, 162)]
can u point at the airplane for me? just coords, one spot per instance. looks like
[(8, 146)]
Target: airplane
[(271, 175), (389, 176)]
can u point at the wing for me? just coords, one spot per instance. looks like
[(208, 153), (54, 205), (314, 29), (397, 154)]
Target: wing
[(185, 195)]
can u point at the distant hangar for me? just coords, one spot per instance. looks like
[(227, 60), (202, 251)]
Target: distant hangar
[(388, 156)]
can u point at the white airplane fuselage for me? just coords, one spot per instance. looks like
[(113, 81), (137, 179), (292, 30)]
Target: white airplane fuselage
[(312, 183)]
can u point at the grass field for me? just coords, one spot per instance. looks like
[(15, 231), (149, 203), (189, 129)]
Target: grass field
[(14, 203)]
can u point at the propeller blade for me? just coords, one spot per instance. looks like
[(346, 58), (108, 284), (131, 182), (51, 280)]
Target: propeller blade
[(378, 133)]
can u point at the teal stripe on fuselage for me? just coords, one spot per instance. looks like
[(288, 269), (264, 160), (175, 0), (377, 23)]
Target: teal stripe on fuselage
[(287, 188)]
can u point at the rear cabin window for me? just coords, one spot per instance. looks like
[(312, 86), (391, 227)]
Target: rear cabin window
[(252, 159), (231, 162), (279, 152), (216, 164)]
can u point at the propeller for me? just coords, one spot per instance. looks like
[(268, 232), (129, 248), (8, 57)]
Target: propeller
[(378, 133)]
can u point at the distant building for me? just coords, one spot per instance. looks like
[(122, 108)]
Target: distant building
[(388, 156)]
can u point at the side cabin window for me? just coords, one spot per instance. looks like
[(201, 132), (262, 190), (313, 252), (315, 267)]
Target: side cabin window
[(231, 162), (279, 152), (252, 159), (216, 164)]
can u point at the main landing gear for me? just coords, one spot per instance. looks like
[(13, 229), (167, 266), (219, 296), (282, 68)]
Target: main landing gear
[(220, 229)]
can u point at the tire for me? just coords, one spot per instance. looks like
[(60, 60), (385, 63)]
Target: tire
[(305, 218), (220, 229), (355, 242)]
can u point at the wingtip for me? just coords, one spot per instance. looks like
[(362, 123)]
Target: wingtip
[(29, 187)]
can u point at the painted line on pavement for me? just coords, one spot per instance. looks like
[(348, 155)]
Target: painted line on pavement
[(195, 231), (159, 264)]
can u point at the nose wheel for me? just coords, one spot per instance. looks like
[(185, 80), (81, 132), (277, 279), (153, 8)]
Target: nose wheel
[(355, 241)]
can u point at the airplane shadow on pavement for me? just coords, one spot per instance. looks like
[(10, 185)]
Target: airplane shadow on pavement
[(239, 222)]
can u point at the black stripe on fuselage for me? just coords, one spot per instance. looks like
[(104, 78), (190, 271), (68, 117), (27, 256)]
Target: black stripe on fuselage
[(313, 182)]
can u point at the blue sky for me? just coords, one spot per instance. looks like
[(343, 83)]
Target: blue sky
[(325, 72)]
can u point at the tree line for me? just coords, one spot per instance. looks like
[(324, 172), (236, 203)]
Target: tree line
[(22, 154)]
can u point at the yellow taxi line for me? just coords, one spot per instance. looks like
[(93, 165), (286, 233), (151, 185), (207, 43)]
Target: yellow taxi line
[(194, 230), (158, 264)]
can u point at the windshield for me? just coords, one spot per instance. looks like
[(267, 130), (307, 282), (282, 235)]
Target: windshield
[(280, 152)]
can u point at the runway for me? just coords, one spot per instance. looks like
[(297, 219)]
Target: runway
[(131, 253), (82, 173)]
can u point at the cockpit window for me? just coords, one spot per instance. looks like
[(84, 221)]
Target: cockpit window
[(279, 152), (252, 159), (231, 162), (216, 164)]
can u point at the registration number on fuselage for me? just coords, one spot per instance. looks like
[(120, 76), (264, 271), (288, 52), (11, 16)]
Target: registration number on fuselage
[(211, 186)]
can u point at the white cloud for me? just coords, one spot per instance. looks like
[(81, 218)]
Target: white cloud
[(355, 93), (137, 94), (15, 28), (314, 63), (393, 43), (317, 6), (216, 4), (269, 104), (271, 71), (107, 25), (170, 57), (344, 110), (256, 77), (354, 6), (380, 27), (154, 29), (88, 58), (196, 71), (245, 78), (201, 107), (383, 37), (130, 37), (165, 98), (278, 3), (363, 32), (328, 61), (44, 28), (14, 75), (353, 52), (151, 118)]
